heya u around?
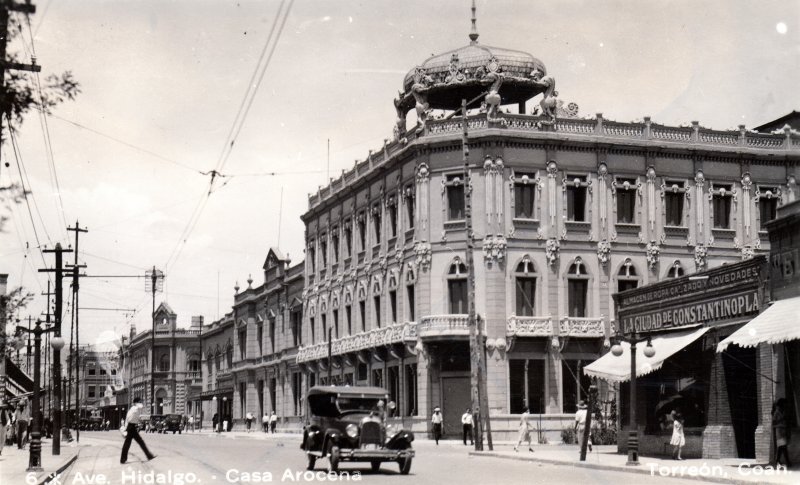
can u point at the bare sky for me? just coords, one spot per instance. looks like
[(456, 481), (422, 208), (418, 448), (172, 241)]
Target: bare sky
[(168, 77)]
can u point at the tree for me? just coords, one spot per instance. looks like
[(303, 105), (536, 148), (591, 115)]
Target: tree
[(21, 92), (10, 304)]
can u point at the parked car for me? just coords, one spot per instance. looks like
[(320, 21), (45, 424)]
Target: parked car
[(156, 423), (349, 424), (173, 422)]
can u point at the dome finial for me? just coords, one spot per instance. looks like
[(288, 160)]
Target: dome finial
[(473, 35)]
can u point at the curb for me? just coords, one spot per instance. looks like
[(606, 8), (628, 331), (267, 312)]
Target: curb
[(52, 475), (641, 470)]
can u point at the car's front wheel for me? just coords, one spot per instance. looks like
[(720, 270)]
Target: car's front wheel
[(333, 459), (405, 465), (312, 460)]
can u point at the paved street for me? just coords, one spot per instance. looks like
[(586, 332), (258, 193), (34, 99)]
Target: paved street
[(215, 459)]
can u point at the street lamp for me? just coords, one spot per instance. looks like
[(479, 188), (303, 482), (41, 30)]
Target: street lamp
[(633, 432), (35, 458)]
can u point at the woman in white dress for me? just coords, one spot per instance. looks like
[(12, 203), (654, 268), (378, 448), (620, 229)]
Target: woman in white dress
[(524, 430), (678, 439)]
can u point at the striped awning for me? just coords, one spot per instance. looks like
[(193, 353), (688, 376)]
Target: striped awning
[(618, 369), (777, 324)]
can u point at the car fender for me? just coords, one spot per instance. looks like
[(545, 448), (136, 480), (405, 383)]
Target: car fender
[(332, 436), (310, 438), (400, 440)]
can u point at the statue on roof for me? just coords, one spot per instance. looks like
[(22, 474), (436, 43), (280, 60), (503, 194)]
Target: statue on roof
[(549, 103), (419, 90)]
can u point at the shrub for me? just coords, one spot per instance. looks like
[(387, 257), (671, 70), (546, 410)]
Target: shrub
[(604, 436), (568, 436)]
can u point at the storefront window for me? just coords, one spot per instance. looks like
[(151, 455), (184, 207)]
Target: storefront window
[(526, 384), (574, 384)]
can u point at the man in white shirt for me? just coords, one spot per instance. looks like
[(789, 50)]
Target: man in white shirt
[(467, 424), (132, 421), (248, 419), (437, 420), (580, 424), (273, 422), (265, 422)]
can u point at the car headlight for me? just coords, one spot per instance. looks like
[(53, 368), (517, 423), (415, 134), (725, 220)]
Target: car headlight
[(352, 430)]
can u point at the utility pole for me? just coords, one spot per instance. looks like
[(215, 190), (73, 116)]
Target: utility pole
[(59, 271), (6, 7), (75, 287), (47, 360), (476, 340), (29, 348), (154, 281)]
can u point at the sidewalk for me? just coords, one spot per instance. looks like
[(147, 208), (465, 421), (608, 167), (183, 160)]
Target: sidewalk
[(730, 471), (14, 462)]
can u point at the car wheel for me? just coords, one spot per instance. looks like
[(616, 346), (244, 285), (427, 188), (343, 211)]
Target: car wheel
[(312, 460), (405, 465), (333, 459), (376, 465)]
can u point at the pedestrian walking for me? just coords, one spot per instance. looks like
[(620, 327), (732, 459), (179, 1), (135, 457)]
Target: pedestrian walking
[(780, 432), (191, 424), (580, 424), (215, 420), (524, 430), (466, 425), (437, 420), (22, 417), (678, 439), (132, 421), (273, 422), (248, 420), (265, 422), (5, 424)]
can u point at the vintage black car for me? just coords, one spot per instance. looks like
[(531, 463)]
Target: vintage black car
[(173, 422), (349, 424)]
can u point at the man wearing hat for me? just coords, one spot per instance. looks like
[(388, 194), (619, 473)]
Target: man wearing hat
[(580, 423), (436, 420)]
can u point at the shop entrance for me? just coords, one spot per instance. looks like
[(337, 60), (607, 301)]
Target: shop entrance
[(740, 378), (456, 399)]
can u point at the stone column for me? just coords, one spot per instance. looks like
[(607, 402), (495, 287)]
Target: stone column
[(765, 367)]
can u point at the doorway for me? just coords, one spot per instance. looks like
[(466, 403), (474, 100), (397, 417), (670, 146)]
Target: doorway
[(455, 399), (740, 378)]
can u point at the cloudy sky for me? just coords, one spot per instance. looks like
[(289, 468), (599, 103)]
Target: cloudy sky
[(163, 81)]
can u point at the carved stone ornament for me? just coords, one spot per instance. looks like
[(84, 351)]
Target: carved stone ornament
[(552, 169), (602, 170), (551, 250), (651, 174), (700, 255), (422, 255), (653, 250), (747, 181), (423, 172), (699, 178), (748, 252), (494, 248), (603, 252), (454, 75)]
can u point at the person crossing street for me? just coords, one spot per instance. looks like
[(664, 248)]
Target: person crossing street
[(132, 421)]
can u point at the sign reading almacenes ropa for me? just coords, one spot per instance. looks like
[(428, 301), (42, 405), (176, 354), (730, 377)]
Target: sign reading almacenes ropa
[(702, 312)]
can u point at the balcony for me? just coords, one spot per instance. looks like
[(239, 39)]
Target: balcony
[(529, 326), (443, 326), (591, 327), (365, 340)]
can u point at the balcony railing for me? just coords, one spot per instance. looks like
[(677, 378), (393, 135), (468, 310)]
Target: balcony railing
[(582, 327), (374, 338), (544, 327), (440, 326), (529, 326)]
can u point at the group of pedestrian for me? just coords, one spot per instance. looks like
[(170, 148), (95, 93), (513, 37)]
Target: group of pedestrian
[(15, 424), (268, 422)]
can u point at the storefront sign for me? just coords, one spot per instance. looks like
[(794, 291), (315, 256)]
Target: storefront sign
[(690, 286), (707, 311)]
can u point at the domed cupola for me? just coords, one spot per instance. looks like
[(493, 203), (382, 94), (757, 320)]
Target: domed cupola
[(499, 76)]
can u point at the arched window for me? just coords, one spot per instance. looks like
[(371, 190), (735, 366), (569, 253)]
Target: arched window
[(626, 277), (525, 288), (676, 270), (163, 363), (457, 287), (578, 289)]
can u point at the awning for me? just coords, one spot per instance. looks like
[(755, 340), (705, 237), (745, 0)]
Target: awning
[(618, 369), (776, 324)]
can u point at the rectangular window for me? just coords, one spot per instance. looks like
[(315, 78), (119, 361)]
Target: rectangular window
[(377, 305), (325, 333), (377, 220), (526, 381), (297, 327), (625, 285), (272, 333), (626, 201), (412, 314), (260, 333), (458, 296), (673, 204), (312, 258), (243, 344), (102, 372), (392, 219), (576, 201), (91, 391), (410, 207), (348, 239), (348, 315), (362, 372), (335, 245), (377, 377), (526, 296), (323, 249), (362, 312), (767, 209), (393, 381), (312, 325), (336, 324), (574, 384), (524, 196), (577, 297), (411, 390), (393, 305), (455, 198), (362, 232), (92, 371), (722, 209), (297, 392)]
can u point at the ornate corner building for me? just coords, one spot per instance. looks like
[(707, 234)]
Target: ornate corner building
[(566, 211)]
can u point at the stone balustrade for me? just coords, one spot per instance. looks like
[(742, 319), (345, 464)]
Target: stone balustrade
[(377, 337), (582, 327), (544, 327), (452, 325), (529, 326)]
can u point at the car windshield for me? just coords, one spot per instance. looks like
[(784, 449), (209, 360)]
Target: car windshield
[(358, 404)]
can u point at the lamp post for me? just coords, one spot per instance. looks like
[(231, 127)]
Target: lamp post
[(35, 458), (633, 432)]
